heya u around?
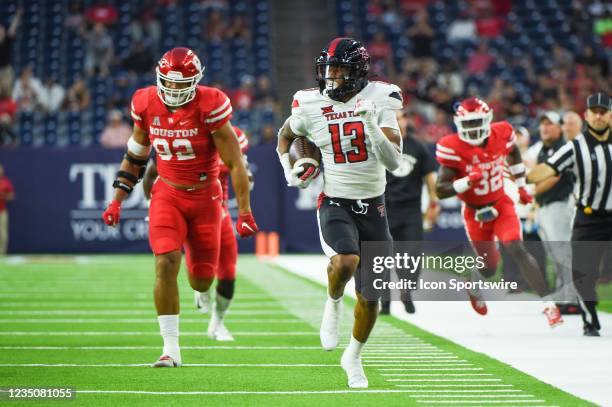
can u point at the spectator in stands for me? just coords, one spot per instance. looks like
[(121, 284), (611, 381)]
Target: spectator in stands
[(463, 29), (268, 134), (79, 97), (52, 97), (603, 28), (117, 132), (242, 98), (480, 60), (28, 91), (381, 55), (597, 65), (8, 110), (220, 5), (6, 51), (489, 25), (100, 51), (140, 60), (422, 35), (434, 131), (7, 194), (572, 125), (101, 12), (410, 7), (562, 58), (239, 28), (122, 92), (263, 88), (389, 17), (76, 18), (450, 77), (215, 27), (146, 26)]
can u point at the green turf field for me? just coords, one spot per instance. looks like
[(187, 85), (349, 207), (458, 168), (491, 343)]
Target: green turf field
[(89, 323)]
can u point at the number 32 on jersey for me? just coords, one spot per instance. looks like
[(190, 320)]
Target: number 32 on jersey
[(181, 148)]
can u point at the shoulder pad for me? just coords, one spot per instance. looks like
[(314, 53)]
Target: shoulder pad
[(303, 99), (386, 95)]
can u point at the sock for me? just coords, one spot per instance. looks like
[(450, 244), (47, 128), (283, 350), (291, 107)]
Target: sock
[(169, 329), (221, 305), (475, 275), (204, 296), (335, 300), (354, 347)]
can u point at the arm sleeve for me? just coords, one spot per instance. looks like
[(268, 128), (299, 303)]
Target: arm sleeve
[(562, 159), (221, 112), (137, 109), (447, 156)]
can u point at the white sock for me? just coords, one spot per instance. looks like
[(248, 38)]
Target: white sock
[(169, 329), (204, 296), (335, 300), (354, 347), (221, 305), (476, 275)]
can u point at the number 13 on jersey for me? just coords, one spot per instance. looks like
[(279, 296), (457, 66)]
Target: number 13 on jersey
[(356, 132)]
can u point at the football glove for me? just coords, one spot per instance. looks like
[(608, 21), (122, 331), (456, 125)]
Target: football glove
[(524, 196), (245, 225), (112, 213)]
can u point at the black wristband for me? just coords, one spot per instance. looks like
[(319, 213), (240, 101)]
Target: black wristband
[(123, 186)]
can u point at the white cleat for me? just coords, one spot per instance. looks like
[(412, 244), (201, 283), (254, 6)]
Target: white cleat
[(202, 305), (217, 329), (330, 325), (166, 361), (354, 371)]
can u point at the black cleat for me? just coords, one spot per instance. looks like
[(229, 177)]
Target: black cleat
[(385, 307), (569, 308), (409, 306), (590, 330)]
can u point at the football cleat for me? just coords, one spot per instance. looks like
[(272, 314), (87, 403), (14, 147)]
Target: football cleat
[(330, 324), (478, 303), (385, 307), (202, 304), (217, 329), (553, 315), (354, 371), (166, 361), (590, 330)]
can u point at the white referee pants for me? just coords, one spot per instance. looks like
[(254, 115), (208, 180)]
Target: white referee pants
[(555, 230), (3, 231)]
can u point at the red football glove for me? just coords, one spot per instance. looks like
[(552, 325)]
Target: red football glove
[(246, 226), (524, 196), (112, 213), (475, 176)]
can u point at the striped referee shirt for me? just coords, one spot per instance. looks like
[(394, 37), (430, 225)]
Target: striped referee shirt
[(591, 161)]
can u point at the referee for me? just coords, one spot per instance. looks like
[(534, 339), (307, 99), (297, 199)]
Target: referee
[(589, 157)]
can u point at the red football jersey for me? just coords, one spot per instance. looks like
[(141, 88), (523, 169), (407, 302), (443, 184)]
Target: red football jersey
[(224, 171), (453, 152), (185, 149)]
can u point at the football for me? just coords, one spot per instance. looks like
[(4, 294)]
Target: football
[(304, 152)]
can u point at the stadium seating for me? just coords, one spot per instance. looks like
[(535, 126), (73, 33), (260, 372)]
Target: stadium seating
[(54, 50)]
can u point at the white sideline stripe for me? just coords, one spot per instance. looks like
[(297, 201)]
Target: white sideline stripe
[(129, 312), (157, 347), (211, 393), (435, 369), (152, 333), (393, 359), (145, 320), (411, 355), (446, 380), (471, 391), (484, 396), (184, 364), (479, 401), (433, 374), (454, 385), (143, 305)]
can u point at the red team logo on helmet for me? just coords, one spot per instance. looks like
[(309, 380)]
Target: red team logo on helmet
[(178, 73), (473, 120)]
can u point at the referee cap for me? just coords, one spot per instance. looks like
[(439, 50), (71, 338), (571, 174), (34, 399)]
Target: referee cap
[(551, 115), (599, 99)]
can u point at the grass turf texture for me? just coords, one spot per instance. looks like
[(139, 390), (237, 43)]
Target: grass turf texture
[(103, 295)]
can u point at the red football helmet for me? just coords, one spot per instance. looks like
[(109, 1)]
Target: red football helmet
[(178, 74), (473, 120)]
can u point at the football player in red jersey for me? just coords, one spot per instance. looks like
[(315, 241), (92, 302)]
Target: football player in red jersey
[(225, 272), (472, 167), (189, 127)]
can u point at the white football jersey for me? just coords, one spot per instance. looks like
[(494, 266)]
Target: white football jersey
[(350, 167)]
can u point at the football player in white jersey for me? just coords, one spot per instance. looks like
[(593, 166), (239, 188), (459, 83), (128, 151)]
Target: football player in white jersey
[(353, 122)]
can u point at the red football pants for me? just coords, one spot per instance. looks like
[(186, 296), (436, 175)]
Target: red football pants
[(189, 219), (506, 228), (229, 249)]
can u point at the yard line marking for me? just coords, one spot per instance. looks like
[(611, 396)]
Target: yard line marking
[(484, 396), (408, 355), (453, 385), (184, 364), (435, 369), (394, 359), (152, 333), (479, 401), (128, 312), (145, 320), (212, 393), (433, 374), (471, 391), (157, 347), (448, 380)]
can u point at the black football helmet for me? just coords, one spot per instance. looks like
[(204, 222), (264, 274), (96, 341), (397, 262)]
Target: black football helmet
[(350, 55)]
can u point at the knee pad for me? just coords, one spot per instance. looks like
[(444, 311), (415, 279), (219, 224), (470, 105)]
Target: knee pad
[(226, 288)]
